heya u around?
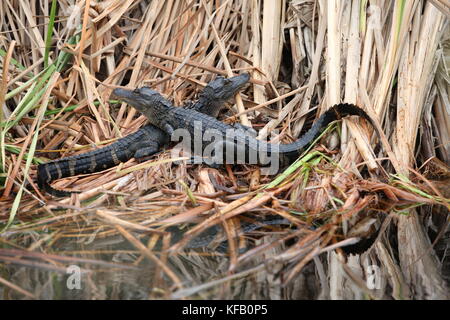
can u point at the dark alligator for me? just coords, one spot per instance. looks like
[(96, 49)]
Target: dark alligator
[(227, 139), (143, 143)]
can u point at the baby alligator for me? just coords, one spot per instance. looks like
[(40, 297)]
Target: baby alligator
[(143, 143), (243, 147)]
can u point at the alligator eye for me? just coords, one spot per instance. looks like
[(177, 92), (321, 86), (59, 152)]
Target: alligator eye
[(136, 90)]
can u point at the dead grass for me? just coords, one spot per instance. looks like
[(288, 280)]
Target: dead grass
[(349, 208)]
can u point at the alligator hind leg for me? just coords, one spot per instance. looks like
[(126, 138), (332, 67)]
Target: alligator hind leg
[(146, 149), (222, 152), (201, 160)]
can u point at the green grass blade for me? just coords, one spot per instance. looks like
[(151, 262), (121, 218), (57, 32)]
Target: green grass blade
[(32, 149), (48, 38)]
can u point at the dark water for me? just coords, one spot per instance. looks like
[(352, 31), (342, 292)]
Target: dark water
[(115, 269)]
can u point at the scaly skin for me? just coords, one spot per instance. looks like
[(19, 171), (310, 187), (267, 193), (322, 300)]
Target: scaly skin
[(217, 92), (143, 143), (242, 145)]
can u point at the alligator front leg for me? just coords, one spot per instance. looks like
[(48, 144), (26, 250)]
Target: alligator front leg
[(168, 129)]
